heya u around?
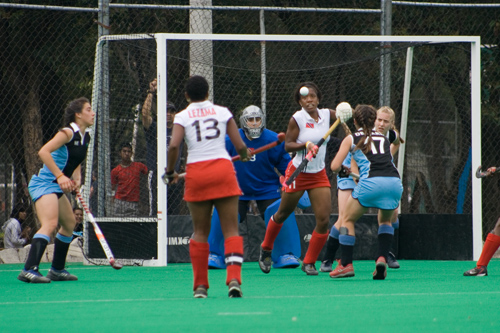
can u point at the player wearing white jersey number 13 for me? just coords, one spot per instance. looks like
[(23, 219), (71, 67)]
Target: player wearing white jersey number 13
[(210, 181)]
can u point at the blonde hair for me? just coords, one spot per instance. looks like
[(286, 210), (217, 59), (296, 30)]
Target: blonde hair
[(389, 111), (392, 114)]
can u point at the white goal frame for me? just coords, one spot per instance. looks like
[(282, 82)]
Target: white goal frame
[(161, 42)]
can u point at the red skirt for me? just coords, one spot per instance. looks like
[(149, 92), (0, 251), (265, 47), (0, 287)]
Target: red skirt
[(306, 181), (209, 180)]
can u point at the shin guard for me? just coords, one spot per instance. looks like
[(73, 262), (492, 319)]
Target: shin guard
[(315, 245), (490, 247), (234, 258), (199, 259), (272, 231)]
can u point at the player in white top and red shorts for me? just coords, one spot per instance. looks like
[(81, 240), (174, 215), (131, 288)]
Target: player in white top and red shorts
[(210, 181), (306, 127)]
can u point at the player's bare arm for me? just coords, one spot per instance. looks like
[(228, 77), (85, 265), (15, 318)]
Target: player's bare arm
[(60, 139)]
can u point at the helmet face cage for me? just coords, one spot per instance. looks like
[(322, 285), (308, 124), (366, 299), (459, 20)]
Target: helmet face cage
[(249, 112)]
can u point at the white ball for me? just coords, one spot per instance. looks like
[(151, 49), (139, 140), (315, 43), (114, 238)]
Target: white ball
[(304, 91), (344, 106)]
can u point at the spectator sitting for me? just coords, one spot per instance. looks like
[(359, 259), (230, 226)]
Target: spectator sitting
[(14, 238)]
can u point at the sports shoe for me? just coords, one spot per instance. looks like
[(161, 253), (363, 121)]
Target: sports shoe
[(310, 269), (234, 289), (477, 271), (342, 271), (32, 276), (287, 261), (62, 275), (265, 260), (326, 266), (216, 261), (200, 292), (380, 269), (392, 261)]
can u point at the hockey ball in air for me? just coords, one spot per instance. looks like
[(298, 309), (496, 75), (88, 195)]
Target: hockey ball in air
[(304, 91)]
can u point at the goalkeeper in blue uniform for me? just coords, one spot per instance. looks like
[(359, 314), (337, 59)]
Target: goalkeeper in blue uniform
[(259, 181)]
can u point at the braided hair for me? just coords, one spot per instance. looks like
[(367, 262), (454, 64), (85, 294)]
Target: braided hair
[(365, 116)]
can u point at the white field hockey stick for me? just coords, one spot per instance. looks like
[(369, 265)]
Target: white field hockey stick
[(281, 138), (98, 233)]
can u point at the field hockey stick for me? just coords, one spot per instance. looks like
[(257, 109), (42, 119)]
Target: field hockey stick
[(309, 155), (489, 172), (281, 138), (98, 233)]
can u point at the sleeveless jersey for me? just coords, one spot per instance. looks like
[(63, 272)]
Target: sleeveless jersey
[(377, 162), (313, 131), (205, 126), (69, 156)]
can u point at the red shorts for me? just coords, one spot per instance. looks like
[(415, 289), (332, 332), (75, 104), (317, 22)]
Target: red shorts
[(306, 181), (208, 180)]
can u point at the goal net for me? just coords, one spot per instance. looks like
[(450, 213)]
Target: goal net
[(434, 91)]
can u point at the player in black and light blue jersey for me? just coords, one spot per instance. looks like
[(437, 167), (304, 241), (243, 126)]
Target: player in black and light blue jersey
[(385, 124), (61, 173), (379, 187), (259, 181)]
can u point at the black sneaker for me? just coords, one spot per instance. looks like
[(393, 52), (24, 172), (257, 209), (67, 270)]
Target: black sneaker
[(310, 269), (265, 261), (477, 271), (391, 261), (32, 276), (62, 275), (234, 289), (200, 292), (326, 266)]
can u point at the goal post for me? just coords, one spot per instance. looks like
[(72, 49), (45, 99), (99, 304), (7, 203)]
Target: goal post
[(344, 67)]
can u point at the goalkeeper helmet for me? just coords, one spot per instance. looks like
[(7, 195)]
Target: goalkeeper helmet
[(252, 121)]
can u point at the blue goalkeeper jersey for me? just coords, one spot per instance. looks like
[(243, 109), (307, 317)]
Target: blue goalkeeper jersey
[(257, 178)]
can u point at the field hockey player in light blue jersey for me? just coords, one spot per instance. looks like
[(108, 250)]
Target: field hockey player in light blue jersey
[(61, 173), (379, 187)]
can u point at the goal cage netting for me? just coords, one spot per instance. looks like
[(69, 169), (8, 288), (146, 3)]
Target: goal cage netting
[(434, 89)]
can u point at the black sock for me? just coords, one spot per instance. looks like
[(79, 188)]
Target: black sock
[(332, 246), (384, 245), (60, 253), (38, 246), (347, 251)]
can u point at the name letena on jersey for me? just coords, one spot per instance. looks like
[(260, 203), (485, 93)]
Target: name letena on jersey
[(199, 113)]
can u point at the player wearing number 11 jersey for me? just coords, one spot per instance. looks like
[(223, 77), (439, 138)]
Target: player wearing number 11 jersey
[(210, 181)]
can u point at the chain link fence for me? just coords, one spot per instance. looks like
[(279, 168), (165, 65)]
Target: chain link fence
[(48, 59)]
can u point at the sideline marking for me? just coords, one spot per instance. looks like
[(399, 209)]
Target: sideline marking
[(254, 297), (243, 313)]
